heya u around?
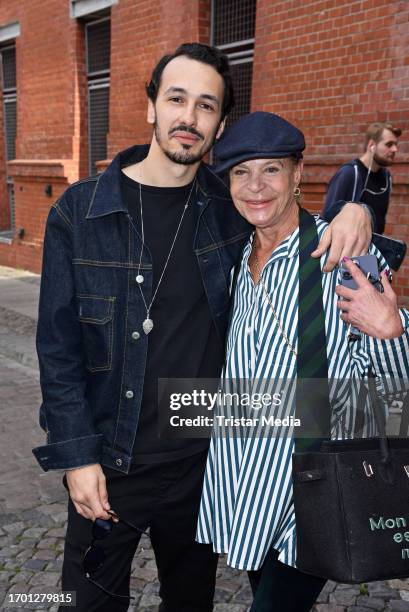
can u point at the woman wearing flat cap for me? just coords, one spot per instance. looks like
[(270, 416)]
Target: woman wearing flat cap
[(247, 503)]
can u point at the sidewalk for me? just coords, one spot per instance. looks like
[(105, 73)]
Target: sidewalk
[(18, 313), (33, 503)]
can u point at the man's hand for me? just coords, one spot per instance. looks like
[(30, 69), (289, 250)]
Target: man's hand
[(349, 235), (88, 491), (373, 313)]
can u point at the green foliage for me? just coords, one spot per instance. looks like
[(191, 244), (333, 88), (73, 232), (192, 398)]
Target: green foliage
[(363, 589)]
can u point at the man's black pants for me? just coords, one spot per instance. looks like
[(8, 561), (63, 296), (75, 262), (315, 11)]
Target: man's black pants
[(164, 497)]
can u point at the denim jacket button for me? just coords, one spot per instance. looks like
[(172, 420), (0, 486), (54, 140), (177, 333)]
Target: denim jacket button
[(129, 394), (136, 335), (118, 462)]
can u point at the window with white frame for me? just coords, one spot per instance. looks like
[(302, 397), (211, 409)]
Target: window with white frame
[(98, 51), (232, 30), (83, 8)]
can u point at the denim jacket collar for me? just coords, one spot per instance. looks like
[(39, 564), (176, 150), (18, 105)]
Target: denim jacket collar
[(107, 198)]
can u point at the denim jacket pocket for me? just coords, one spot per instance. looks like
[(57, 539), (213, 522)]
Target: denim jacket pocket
[(96, 315)]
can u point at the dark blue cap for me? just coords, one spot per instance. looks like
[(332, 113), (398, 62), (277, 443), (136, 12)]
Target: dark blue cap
[(259, 135)]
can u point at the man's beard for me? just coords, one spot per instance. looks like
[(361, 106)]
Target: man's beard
[(381, 161), (182, 157)]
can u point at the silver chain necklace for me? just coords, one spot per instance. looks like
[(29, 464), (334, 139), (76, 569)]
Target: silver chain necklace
[(276, 317), (147, 324)]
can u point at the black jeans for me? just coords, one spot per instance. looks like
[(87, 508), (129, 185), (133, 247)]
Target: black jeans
[(164, 497), (280, 588)]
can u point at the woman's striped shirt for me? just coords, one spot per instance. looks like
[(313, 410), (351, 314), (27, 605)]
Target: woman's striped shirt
[(247, 504)]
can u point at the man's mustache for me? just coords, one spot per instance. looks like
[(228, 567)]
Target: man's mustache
[(186, 128)]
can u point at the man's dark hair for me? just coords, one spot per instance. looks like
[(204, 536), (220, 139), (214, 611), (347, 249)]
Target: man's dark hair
[(201, 53)]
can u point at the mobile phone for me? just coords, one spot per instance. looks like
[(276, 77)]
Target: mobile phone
[(368, 264)]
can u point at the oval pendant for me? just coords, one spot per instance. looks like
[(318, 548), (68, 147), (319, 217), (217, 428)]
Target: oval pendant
[(147, 326)]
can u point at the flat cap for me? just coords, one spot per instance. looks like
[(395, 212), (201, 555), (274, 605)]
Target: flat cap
[(256, 136)]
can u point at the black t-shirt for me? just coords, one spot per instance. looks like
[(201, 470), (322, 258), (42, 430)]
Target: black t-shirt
[(376, 194), (184, 342)]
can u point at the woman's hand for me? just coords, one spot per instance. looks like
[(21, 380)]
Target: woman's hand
[(373, 313), (348, 235)]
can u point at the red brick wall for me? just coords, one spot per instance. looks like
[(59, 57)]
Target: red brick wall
[(31, 214), (46, 80), (46, 60), (332, 68)]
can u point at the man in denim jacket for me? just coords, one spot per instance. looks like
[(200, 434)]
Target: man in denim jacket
[(135, 287)]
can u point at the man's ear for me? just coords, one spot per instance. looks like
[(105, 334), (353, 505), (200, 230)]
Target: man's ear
[(151, 114), (221, 128)]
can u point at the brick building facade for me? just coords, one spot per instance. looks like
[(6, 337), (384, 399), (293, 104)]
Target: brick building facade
[(330, 66)]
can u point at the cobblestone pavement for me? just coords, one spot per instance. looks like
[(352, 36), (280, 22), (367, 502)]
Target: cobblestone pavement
[(33, 504)]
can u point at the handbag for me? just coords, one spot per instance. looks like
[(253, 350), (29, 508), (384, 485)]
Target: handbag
[(351, 499)]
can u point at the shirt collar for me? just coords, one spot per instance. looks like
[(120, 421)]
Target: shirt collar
[(107, 196)]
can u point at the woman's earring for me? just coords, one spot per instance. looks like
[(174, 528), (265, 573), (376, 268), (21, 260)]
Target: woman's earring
[(297, 194)]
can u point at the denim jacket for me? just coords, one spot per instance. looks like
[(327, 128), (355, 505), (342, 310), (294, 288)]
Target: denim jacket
[(92, 350)]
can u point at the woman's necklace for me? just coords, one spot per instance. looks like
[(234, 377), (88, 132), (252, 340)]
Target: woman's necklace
[(147, 324), (275, 315)]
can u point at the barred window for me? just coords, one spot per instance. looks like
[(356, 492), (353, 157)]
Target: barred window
[(8, 56), (8, 60), (233, 20), (10, 125), (9, 87), (98, 51), (233, 29)]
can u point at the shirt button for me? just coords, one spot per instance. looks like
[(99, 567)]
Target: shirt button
[(118, 462), (248, 330), (129, 394), (139, 279), (136, 335)]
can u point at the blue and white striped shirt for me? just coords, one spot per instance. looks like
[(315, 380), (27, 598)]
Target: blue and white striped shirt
[(247, 503)]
